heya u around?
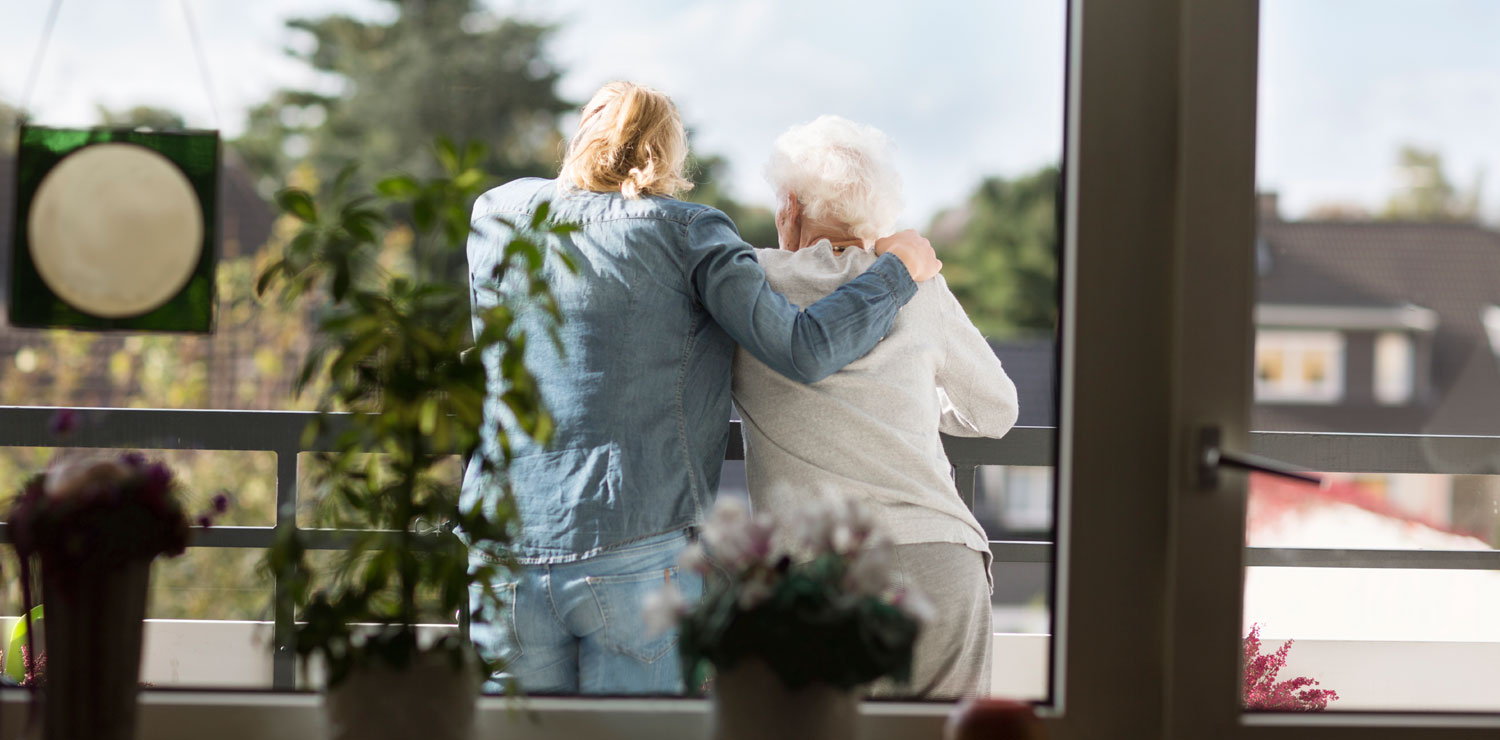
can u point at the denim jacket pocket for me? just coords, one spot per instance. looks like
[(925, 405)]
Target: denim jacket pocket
[(621, 601)]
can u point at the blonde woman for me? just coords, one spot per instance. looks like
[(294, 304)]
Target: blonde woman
[(871, 430), (639, 389)]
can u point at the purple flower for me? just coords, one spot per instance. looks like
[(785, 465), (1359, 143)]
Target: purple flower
[(63, 423), (158, 478), (205, 520), (221, 502)]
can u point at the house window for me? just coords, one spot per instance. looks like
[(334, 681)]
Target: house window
[(1027, 498), (1299, 366), (1393, 368)]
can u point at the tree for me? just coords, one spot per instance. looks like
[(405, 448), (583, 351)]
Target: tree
[(999, 253), (440, 66), (756, 224), (1427, 194), (142, 116)]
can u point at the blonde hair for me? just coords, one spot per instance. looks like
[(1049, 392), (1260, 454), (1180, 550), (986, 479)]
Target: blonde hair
[(841, 172), (629, 139)]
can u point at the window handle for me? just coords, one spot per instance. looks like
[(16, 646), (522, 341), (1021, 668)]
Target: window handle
[(1212, 457)]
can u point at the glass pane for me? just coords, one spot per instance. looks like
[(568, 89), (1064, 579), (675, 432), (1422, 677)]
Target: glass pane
[(1377, 272), (978, 155)]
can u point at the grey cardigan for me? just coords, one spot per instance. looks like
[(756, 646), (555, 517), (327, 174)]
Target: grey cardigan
[(871, 430)]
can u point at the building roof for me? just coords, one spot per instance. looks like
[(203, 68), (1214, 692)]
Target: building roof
[(1452, 269)]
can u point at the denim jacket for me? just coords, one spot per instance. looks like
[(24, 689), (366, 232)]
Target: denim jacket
[(640, 389)]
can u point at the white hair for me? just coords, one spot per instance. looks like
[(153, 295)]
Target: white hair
[(841, 172)]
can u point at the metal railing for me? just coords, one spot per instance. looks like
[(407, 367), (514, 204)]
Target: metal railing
[(282, 434)]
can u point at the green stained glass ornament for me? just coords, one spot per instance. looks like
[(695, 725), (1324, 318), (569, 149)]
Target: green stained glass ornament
[(115, 229)]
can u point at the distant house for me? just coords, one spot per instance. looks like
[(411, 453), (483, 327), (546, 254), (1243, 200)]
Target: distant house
[(1376, 326), (1361, 326)]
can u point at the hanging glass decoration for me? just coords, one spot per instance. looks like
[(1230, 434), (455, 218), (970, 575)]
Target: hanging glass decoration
[(115, 229)]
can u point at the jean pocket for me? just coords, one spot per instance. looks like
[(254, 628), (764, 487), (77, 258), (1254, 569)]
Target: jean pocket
[(621, 602), (493, 628)]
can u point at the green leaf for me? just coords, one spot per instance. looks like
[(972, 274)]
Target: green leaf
[(468, 179), (398, 187), (267, 275), (540, 216), (15, 665), (346, 173), (423, 214), (340, 282), (298, 203), (473, 154), (446, 153)]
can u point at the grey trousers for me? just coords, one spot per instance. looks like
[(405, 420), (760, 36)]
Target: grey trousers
[(952, 658)]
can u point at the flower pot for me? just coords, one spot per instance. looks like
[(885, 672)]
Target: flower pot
[(93, 632), (751, 703), (429, 700)]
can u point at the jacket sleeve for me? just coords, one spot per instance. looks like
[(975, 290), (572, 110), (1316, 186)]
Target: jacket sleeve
[(976, 396), (804, 345)]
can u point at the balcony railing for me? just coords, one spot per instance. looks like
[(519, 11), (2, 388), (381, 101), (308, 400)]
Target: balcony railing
[(281, 433)]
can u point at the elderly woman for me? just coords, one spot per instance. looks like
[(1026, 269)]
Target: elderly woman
[(871, 429), (638, 387)]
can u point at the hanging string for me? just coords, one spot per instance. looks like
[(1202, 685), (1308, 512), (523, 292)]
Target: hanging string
[(36, 61), (203, 71)]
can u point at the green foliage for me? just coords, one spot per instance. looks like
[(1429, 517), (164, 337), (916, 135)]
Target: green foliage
[(757, 225), (1427, 194), (142, 116), (999, 254), (392, 348), (438, 65), (15, 662)]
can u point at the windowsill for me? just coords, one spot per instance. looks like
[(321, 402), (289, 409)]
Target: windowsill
[(193, 715)]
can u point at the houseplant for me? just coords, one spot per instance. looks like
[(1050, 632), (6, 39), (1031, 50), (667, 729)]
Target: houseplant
[(392, 348), (800, 611), (92, 525)]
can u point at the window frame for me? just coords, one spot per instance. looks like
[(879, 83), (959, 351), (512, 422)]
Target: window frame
[(1160, 116), (1213, 349)]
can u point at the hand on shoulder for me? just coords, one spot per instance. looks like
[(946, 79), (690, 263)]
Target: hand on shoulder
[(914, 251)]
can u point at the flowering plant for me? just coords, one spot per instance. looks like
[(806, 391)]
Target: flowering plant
[(809, 593), (1262, 690), (86, 515), (90, 513)]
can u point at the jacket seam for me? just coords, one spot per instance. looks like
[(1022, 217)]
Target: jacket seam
[(687, 455), (600, 219)]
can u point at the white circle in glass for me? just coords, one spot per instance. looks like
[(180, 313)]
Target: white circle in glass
[(116, 230)]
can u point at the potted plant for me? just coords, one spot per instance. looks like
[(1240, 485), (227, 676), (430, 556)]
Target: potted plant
[(92, 525), (394, 349), (799, 613)]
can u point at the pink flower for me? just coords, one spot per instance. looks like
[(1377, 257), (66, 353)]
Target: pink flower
[(870, 567), (735, 539), (663, 609), (67, 478), (755, 590), (693, 560), (1263, 692), (63, 422)]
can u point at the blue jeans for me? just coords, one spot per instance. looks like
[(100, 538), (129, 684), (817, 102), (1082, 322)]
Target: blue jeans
[(576, 628)]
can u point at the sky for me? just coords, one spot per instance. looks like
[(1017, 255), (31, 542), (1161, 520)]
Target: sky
[(966, 89)]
